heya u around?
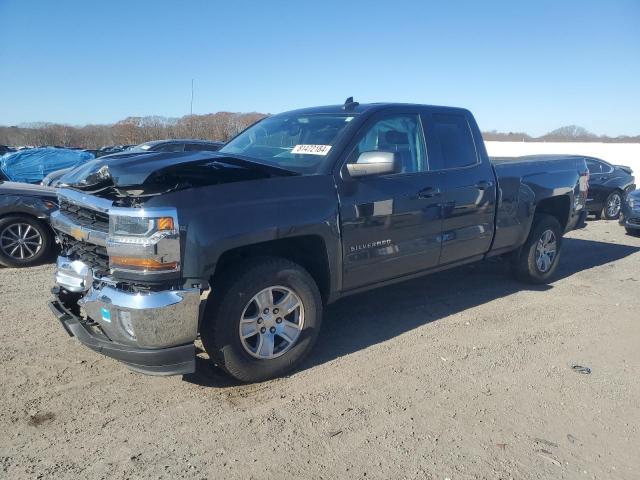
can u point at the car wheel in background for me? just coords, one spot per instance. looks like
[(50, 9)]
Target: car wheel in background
[(24, 241), (612, 206), (537, 260)]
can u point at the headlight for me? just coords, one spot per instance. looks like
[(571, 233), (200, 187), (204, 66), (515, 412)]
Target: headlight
[(133, 229), (143, 240)]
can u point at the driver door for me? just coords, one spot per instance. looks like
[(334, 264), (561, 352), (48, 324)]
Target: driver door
[(391, 223)]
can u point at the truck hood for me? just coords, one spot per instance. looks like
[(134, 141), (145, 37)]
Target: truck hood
[(157, 172), (14, 188)]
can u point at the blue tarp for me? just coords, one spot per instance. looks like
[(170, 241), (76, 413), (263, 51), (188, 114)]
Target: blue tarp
[(32, 165)]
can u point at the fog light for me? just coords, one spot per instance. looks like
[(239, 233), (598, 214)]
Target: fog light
[(125, 321)]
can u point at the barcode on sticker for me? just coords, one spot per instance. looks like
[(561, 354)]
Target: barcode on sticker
[(311, 149)]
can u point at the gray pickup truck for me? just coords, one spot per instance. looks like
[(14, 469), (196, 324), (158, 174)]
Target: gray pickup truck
[(297, 211)]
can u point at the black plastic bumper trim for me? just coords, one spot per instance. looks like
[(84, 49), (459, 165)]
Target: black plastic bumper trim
[(179, 360)]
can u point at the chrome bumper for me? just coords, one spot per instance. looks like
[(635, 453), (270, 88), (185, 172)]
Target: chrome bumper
[(149, 320), (73, 275)]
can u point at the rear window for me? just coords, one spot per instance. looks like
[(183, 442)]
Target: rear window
[(450, 142)]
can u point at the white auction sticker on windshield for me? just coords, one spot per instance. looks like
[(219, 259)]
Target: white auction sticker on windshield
[(311, 149)]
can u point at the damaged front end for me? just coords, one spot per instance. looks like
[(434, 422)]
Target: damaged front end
[(117, 284)]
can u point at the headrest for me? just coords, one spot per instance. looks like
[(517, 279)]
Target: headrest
[(395, 137)]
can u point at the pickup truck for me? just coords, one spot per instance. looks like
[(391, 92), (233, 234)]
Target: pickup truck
[(299, 210)]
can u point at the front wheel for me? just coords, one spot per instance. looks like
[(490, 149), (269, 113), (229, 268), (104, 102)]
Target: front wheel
[(538, 259), (262, 320)]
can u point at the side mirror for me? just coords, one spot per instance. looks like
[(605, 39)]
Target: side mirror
[(373, 163)]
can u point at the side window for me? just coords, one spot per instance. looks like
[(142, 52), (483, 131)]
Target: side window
[(401, 134), (200, 147), (170, 147), (605, 167), (450, 142), (593, 166)]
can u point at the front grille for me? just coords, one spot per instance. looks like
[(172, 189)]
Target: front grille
[(93, 255), (85, 217), (634, 221)]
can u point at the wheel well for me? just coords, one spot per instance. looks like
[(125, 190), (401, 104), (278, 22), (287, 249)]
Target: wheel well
[(308, 251), (558, 207)]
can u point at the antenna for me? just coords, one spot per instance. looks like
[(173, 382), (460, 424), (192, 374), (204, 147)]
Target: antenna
[(191, 109), (349, 104)]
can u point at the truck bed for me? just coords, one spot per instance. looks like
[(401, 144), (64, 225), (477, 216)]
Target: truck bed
[(520, 181)]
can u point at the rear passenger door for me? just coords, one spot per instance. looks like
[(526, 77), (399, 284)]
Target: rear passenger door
[(469, 190)]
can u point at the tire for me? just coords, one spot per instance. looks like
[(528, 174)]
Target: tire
[(608, 211), (598, 215), (36, 246), (526, 263), (234, 298)]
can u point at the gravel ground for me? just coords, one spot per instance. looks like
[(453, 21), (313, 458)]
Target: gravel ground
[(462, 375)]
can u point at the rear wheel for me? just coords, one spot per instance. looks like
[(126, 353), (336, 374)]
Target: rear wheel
[(612, 206), (262, 320), (24, 241), (538, 258)]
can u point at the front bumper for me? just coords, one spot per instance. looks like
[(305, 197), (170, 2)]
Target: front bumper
[(178, 360), (148, 331), (630, 219)]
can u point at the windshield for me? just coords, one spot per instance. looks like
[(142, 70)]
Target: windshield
[(143, 147), (293, 142)]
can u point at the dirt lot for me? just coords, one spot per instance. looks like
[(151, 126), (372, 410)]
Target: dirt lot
[(461, 375)]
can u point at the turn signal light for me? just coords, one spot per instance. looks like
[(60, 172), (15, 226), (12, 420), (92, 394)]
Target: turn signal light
[(165, 223), (133, 263)]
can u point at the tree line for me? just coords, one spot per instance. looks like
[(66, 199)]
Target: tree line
[(130, 131), (216, 126)]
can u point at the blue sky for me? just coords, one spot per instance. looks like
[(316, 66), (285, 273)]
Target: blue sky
[(518, 65)]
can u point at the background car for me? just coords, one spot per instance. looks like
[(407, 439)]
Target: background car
[(608, 185), (26, 238), (178, 145), (630, 214)]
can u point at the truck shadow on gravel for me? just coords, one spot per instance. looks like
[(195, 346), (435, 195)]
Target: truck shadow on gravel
[(366, 319)]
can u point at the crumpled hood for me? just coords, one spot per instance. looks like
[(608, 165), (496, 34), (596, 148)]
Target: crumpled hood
[(14, 188), (135, 168)]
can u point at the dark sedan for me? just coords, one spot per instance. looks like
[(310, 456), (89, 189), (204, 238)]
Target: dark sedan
[(630, 215), (177, 145), (608, 184), (26, 238)]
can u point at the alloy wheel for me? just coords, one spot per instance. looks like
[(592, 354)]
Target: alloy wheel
[(546, 251), (20, 241), (271, 322), (614, 205)]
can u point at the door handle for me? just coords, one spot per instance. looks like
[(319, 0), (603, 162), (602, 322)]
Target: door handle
[(483, 185), (429, 192)]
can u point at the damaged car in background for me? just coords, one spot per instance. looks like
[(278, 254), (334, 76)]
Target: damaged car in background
[(296, 212), (26, 239)]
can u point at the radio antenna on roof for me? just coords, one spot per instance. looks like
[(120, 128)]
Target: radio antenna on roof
[(349, 104)]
